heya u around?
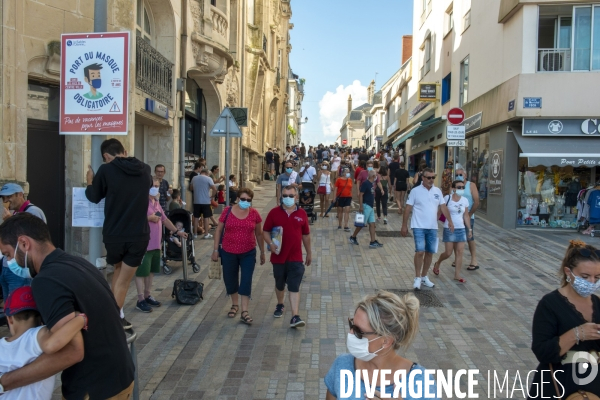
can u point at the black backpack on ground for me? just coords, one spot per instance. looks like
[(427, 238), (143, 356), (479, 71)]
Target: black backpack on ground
[(185, 291)]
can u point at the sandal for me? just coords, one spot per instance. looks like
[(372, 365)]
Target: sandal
[(234, 310), (247, 319), (436, 270), (460, 280), (346, 229), (473, 267), (454, 265)]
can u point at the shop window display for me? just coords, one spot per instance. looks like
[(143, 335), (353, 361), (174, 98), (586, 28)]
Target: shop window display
[(549, 196)]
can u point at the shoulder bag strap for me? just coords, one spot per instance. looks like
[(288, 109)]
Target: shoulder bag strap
[(224, 223), (558, 396)]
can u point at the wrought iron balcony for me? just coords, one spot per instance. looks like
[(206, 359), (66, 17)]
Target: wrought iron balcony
[(154, 72)]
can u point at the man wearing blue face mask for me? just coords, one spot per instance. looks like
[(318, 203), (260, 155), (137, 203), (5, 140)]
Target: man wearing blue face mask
[(12, 276), (288, 178), (93, 78)]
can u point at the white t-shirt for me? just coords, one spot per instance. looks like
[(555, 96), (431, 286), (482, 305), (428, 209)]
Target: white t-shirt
[(457, 211), (425, 207), (310, 174), (19, 353), (335, 163)]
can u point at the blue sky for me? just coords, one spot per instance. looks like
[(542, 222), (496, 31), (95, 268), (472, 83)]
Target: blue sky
[(338, 46)]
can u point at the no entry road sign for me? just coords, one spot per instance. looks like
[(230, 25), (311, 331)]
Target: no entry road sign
[(456, 116)]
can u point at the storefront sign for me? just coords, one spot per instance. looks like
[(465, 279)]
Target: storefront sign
[(157, 108), (417, 110), (472, 123), (428, 92), (532, 102), (94, 85), (455, 132), (495, 178), (561, 127)]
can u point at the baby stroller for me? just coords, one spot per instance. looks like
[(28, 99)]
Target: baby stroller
[(172, 252), (308, 191)]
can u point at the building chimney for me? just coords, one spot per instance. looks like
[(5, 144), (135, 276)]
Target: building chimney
[(371, 92), (349, 103), (407, 42)]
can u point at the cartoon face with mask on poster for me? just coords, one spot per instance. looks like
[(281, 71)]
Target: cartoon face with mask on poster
[(93, 78)]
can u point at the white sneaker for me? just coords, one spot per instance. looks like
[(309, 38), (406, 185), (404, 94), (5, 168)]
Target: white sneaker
[(425, 280), (417, 284), (208, 236)]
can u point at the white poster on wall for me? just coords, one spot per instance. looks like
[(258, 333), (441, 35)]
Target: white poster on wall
[(86, 214)]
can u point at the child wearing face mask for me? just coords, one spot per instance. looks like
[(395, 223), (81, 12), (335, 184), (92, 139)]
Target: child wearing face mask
[(566, 326)]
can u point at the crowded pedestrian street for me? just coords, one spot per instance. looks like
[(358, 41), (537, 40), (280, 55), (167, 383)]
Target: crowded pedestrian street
[(196, 352)]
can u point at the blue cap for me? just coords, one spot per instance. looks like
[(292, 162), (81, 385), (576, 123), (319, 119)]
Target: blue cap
[(10, 188)]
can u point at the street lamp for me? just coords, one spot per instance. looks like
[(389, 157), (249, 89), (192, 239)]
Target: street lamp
[(302, 123)]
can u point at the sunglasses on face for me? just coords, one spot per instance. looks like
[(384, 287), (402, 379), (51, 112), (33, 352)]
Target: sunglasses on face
[(285, 196), (247, 200), (429, 177), (356, 330)]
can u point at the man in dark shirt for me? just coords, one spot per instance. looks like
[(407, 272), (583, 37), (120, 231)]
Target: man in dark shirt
[(125, 183), (270, 161), (63, 285), (164, 189), (363, 156), (277, 161), (366, 198), (393, 167)]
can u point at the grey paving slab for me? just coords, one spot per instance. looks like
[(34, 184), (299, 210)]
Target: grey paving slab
[(198, 353)]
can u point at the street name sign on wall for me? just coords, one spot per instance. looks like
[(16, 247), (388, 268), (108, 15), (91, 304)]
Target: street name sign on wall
[(455, 132), (456, 143), (94, 84), (428, 92), (532, 102)]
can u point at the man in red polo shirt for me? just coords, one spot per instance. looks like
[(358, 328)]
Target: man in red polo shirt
[(287, 261)]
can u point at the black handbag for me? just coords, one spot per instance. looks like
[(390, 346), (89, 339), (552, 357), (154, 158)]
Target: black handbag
[(187, 292)]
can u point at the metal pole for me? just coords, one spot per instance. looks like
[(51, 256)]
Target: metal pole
[(183, 73), (95, 234), (227, 160)]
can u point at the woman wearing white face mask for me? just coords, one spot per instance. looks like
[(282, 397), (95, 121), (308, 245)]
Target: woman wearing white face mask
[(382, 324), (324, 189), (566, 327), (458, 206), (343, 196)]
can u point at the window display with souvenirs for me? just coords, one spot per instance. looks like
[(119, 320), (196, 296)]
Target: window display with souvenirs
[(554, 196)]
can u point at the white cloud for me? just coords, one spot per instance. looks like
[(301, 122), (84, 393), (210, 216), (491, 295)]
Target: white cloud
[(334, 107)]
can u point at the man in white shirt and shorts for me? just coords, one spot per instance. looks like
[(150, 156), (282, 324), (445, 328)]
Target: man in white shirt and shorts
[(424, 201)]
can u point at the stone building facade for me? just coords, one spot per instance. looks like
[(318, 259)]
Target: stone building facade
[(206, 54)]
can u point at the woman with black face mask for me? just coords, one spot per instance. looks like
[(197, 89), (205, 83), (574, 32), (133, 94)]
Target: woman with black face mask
[(566, 328)]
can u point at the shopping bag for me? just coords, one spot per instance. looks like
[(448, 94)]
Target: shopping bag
[(214, 270), (359, 220)]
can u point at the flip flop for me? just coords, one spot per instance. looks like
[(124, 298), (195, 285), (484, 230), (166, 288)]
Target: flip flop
[(436, 270), (472, 267), (461, 280)]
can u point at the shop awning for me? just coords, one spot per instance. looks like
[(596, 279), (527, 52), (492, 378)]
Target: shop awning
[(406, 135), (560, 151), (430, 123)]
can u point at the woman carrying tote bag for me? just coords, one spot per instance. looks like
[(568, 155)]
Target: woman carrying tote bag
[(237, 248)]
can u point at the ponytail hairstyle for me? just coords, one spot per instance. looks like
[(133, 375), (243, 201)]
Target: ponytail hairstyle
[(393, 316), (574, 256)]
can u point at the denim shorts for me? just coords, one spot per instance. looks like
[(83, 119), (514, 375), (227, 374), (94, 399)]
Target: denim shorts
[(426, 240), (369, 214), (473, 230), (459, 235)]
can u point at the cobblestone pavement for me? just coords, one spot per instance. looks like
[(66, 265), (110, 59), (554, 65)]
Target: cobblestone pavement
[(198, 353)]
